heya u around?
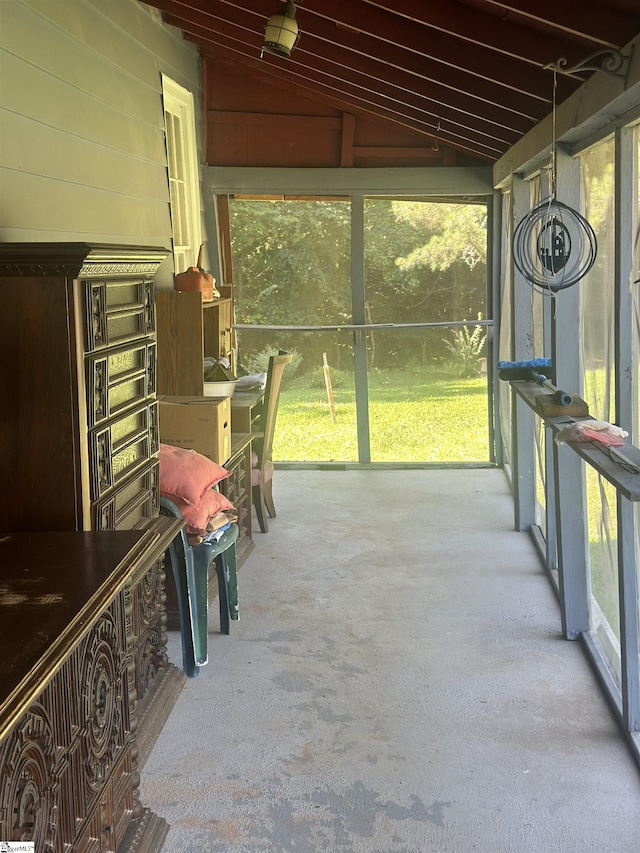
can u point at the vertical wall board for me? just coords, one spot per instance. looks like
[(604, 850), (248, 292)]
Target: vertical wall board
[(522, 434), (629, 628), (497, 249), (626, 184), (493, 259), (522, 310), (359, 336), (565, 341), (572, 542), (568, 468)]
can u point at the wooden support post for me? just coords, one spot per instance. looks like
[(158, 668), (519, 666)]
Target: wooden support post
[(575, 593), (522, 431), (327, 383)]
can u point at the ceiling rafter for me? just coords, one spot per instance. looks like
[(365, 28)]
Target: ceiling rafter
[(445, 48), (395, 99), (361, 105), (326, 41), (308, 71), (493, 33), (470, 73), (583, 19)]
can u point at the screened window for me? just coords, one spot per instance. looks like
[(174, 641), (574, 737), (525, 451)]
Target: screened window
[(597, 340)]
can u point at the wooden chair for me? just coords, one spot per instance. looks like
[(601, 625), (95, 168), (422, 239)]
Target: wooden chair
[(262, 465), (190, 565)]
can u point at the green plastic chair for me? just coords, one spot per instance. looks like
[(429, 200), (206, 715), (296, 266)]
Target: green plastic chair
[(190, 565)]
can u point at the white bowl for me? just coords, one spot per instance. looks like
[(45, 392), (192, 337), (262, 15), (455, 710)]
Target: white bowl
[(219, 389)]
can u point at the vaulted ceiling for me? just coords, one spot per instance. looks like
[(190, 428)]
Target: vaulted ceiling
[(466, 74)]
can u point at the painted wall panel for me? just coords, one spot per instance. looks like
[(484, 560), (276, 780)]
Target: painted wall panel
[(123, 31), (157, 39), (76, 160), (82, 149), (27, 36), (32, 92), (29, 201)]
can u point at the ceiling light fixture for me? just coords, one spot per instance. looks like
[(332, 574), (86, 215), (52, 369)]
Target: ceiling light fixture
[(281, 34)]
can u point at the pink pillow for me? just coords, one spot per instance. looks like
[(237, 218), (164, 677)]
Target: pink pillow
[(256, 474), (186, 475), (197, 517)]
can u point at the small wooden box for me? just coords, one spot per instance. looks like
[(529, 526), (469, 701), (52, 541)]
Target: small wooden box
[(548, 406)]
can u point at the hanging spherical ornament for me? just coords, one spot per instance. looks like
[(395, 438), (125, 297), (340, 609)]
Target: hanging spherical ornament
[(554, 246)]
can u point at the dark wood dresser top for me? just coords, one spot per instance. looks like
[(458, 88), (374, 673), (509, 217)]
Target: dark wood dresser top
[(53, 586)]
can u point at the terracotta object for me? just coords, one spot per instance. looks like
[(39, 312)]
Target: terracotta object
[(196, 279)]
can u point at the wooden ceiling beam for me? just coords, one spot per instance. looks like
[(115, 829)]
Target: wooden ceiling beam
[(470, 57), (492, 32), (474, 68), (429, 106), (363, 108), (358, 101), (598, 23), (345, 49), (395, 92)]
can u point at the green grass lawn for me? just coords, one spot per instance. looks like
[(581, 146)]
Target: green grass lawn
[(414, 416)]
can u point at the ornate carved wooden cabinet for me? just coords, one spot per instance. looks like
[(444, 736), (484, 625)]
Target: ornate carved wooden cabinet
[(78, 356), (72, 641), (89, 686), (237, 487)]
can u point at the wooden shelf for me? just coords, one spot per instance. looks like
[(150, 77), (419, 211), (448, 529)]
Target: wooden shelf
[(188, 330), (625, 482)]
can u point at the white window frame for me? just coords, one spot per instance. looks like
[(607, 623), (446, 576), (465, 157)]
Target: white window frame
[(183, 172)]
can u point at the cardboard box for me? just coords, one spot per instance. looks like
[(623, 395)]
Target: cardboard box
[(202, 424)]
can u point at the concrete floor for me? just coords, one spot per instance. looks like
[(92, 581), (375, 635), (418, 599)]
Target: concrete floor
[(397, 683)]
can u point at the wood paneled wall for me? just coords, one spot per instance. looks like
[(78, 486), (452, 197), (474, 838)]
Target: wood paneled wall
[(250, 122)]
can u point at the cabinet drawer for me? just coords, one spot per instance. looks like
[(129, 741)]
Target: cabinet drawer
[(122, 446), (118, 380), (234, 486), (118, 311), (233, 489), (132, 504)]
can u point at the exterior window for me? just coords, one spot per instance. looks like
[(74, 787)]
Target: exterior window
[(182, 162)]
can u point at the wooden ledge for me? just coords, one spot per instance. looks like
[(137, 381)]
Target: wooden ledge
[(625, 482)]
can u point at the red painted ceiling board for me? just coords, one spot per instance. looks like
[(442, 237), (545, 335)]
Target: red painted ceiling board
[(475, 68)]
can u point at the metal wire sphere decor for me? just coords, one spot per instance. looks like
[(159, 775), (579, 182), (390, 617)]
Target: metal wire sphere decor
[(554, 246)]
